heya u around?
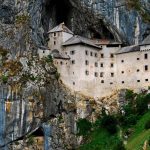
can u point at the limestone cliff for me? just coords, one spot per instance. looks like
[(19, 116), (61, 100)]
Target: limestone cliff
[(24, 108)]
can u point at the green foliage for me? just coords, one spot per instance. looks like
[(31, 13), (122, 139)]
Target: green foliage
[(30, 140), (142, 103), (4, 79), (136, 5), (109, 123), (147, 125), (57, 75), (129, 95), (119, 146), (84, 127), (49, 59)]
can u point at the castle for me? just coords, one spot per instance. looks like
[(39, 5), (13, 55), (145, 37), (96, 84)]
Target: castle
[(97, 68)]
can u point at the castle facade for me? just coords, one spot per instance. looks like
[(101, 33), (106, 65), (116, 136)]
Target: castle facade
[(98, 68)]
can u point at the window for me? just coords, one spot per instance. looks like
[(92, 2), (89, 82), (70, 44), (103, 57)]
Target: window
[(96, 74), (122, 82), (138, 58), (73, 61), (111, 83), (122, 72), (91, 53), (54, 34), (146, 80), (87, 72), (111, 55), (54, 42), (86, 53), (122, 61), (138, 80), (61, 63), (101, 74), (102, 65), (102, 81), (73, 83), (112, 74), (111, 65), (72, 52), (102, 55), (137, 70), (146, 67), (95, 54), (96, 64), (146, 56), (43, 52), (86, 62)]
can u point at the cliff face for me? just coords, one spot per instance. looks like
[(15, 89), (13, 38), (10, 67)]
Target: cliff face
[(23, 28)]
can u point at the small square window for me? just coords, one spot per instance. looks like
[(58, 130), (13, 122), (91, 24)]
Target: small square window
[(111, 55), (146, 80), (146, 67), (112, 74), (87, 72), (43, 52), (96, 64), (95, 54), (138, 58), (86, 62), (96, 74), (122, 82), (72, 52), (111, 83), (138, 80), (146, 56), (54, 34), (102, 55), (73, 61), (102, 65), (91, 53), (73, 83), (122, 72), (101, 74), (111, 65), (86, 52), (54, 42), (102, 81), (122, 61), (61, 63), (137, 70)]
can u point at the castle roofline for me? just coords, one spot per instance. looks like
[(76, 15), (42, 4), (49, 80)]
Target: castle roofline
[(75, 40), (128, 49), (146, 41), (60, 28)]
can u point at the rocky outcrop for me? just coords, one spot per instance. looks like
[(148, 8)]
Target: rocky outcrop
[(24, 107)]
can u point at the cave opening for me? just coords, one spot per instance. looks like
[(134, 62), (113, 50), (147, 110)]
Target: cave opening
[(58, 11)]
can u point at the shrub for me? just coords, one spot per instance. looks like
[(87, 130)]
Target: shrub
[(130, 120), (83, 126), (141, 103), (57, 75), (109, 123), (147, 125), (49, 59), (4, 79), (119, 146)]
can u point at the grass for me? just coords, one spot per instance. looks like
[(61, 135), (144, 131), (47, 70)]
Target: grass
[(140, 135)]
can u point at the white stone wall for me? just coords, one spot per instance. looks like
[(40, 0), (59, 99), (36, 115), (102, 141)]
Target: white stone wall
[(57, 39), (43, 53), (131, 71)]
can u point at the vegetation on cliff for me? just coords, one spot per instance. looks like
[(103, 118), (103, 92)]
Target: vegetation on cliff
[(128, 129)]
